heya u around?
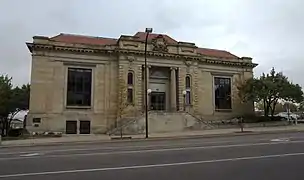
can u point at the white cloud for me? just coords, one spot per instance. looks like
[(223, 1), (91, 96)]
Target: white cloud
[(269, 31)]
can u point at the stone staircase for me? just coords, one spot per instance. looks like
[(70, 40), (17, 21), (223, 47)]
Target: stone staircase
[(160, 122)]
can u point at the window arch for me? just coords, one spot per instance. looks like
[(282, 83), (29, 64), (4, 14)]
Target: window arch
[(188, 90), (130, 84), (130, 78), (188, 82)]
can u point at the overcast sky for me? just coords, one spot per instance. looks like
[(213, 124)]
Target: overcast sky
[(270, 31)]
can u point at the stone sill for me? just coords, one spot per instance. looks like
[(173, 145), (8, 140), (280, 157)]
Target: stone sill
[(78, 107), (223, 110)]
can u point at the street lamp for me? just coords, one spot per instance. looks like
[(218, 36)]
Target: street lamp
[(184, 95), (149, 91), (148, 30)]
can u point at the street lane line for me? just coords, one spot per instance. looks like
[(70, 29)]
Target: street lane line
[(154, 150), (29, 155), (152, 165), (280, 140), (186, 143), (133, 147)]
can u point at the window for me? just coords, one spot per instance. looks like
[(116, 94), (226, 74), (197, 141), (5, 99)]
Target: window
[(36, 120), (130, 95), (71, 127), (130, 84), (222, 93), (79, 87), (130, 78), (158, 101), (85, 127), (188, 90), (188, 83)]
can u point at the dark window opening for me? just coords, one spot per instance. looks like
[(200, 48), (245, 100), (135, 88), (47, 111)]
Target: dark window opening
[(79, 87), (85, 127), (188, 82), (222, 92), (158, 101), (130, 95), (71, 127), (188, 97), (36, 120), (188, 90), (130, 79)]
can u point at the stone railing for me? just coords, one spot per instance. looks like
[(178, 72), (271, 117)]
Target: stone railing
[(125, 121), (199, 118)]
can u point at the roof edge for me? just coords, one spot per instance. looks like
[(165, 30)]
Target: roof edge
[(29, 46)]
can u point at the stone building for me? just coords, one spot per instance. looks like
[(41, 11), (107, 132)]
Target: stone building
[(77, 81)]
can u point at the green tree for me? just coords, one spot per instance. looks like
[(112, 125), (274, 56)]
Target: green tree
[(11, 101), (259, 106), (281, 107), (269, 89), (21, 96), (301, 106), (6, 105)]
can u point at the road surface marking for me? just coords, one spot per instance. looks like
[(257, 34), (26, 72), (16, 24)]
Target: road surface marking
[(152, 165), (30, 155), (186, 143), (133, 147), (280, 140), (153, 150)]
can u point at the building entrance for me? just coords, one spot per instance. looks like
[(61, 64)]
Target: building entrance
[(158, 101)]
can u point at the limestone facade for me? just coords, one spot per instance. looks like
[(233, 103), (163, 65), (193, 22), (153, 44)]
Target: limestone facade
[(111, 60)]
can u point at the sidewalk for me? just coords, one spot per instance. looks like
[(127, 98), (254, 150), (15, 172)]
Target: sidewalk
[(66, 139)]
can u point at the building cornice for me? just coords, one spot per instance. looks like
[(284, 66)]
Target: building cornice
[(199, 58)]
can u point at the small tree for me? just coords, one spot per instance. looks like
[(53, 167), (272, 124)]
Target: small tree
[(123, 105), (12, 100), (301, 106), (281, 107), (6, 104), (269, 89), (21, 96)]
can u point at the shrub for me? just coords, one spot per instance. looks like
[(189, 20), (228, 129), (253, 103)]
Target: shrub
[(15, 132), (258, 119)]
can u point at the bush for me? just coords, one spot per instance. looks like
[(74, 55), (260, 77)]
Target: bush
[(258, 119), (15, 132)]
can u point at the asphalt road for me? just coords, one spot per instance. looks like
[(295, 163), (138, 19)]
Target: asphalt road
[(277, 157)]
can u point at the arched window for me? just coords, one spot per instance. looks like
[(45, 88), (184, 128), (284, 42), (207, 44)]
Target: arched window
[(130, 83), (130, 78), (188, 83), (188, 90)]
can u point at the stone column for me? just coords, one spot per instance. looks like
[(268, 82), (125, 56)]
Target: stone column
[(173, 89)]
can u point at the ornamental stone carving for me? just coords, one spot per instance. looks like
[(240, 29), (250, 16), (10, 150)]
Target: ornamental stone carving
[(188, 62), (131, 58), (160, 44)]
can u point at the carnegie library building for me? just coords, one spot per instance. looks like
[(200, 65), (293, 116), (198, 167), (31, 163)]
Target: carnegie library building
[(77, 83)]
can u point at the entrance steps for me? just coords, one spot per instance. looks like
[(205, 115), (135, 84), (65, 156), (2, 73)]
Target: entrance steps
[(161, 122)]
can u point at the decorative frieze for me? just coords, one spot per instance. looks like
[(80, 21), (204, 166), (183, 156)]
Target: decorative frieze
[(199, 58)]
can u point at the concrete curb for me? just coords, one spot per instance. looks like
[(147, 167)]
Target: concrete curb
[(152, 138)]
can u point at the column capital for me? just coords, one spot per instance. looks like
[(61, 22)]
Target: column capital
[(173, 68)]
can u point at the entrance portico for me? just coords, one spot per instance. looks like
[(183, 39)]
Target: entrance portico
[(163, 87)]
